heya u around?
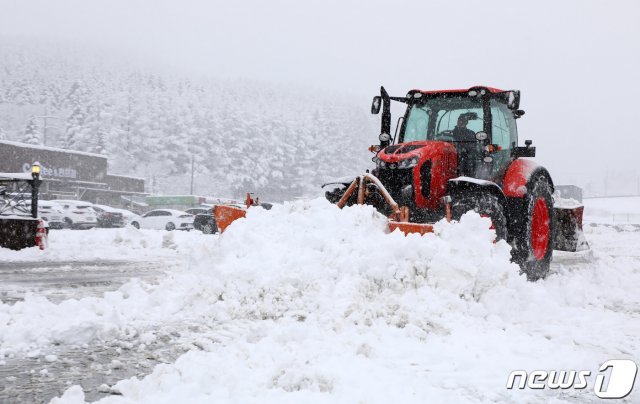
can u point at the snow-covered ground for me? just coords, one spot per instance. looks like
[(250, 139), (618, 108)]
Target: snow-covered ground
[(124, 244), (619, 210), (307, 303)]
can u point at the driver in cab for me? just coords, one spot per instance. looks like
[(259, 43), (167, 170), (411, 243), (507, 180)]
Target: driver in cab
[(466, 145), (461, 133)]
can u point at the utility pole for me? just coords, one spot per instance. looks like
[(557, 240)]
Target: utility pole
[(44, 131), (45, 120), (191, 193)]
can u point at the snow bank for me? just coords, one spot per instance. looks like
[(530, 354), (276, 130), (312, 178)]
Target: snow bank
[(295, 260), (307, 303), (126, 243)]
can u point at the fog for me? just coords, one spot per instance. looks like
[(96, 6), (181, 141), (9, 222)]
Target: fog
[(576, 62)]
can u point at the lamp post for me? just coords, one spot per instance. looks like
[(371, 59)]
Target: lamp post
[(35, 185)]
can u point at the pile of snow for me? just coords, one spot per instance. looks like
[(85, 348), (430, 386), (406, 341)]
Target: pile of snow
[(294, 261), (127, 243), (307, 303)]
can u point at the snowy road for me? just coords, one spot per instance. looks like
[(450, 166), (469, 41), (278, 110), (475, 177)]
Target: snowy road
[(35, 380), (58, 281), (260, 316), (69, 273)]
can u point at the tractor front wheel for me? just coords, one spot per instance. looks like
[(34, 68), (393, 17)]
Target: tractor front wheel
[(533, 247), (487, 205)]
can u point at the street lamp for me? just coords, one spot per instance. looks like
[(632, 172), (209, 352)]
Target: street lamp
[(35, 185), (35, 170)]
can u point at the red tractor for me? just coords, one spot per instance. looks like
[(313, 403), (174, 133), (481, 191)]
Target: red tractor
[(457, 150)]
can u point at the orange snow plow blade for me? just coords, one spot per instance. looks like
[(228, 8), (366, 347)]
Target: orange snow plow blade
[(225, 215), (399, 218), (408, 227)]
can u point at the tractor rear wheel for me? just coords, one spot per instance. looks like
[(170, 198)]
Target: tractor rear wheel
[(533, 245), (485, 204)]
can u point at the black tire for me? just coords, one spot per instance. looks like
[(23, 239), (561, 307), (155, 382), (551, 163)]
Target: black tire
[(533, 241), (135, 224), (209, 228), (335, 195), (373, 198), (485, 204), (170, 226)]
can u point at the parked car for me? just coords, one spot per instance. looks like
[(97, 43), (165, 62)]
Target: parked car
[(108, 216), (52, 213), (205, 222), (167, 219), (197, 211), (129, 216), (48, 211), (78, 214)]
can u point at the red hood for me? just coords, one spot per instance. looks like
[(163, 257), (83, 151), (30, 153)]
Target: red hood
[(423, 149)]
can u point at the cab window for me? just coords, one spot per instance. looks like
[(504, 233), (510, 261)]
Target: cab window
[(503, 126), (448, 119), (417, 123)]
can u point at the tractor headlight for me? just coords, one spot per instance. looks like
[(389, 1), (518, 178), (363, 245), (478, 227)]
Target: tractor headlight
[(380, 163), (408, 163)]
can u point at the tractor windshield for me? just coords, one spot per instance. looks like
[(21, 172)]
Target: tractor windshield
[(447, 118)]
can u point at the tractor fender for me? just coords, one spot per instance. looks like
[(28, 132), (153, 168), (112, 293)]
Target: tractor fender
[(464, 185), (517, 178)]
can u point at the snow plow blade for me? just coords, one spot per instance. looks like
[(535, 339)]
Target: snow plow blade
[(569, 234), (408, 227), (399, 218), (225, 215)]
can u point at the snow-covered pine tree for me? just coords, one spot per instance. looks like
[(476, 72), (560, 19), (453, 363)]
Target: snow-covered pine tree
[(74, 133), (31, 134)]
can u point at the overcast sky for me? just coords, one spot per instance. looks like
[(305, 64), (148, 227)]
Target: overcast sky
[(576, 62)]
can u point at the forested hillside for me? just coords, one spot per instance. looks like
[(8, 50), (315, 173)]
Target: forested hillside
[(243, 136)]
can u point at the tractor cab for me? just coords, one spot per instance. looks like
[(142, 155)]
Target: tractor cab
[(442, 135), (480, 123)]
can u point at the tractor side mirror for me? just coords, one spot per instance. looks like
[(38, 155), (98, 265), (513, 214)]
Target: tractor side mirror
[(375, 105), (513, 99)]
